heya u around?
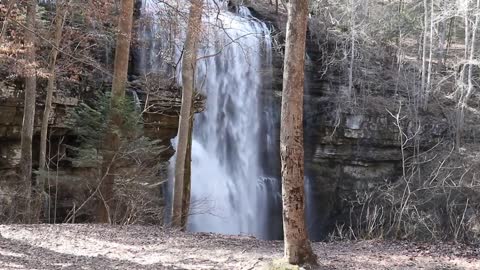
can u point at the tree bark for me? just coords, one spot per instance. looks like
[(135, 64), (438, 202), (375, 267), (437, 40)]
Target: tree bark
[(182, 164), (428, 87), (10, 5), (472, 53), (297, 246), (59, 19), (469, 58), (352, 51), (424, 54), (112, 140), (29, 108), (187, 178), (442, 40)]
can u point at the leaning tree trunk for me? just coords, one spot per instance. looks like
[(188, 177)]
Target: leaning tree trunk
[(59, 18), (112, 140), (29, 108), (297, 246), (182, 164)]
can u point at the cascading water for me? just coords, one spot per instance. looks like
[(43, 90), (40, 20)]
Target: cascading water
[(232, 192)]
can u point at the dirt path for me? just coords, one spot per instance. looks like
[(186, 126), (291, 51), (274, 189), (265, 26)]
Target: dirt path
[(138, 247)]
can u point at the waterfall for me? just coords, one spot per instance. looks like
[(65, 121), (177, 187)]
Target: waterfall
[(232, 192)]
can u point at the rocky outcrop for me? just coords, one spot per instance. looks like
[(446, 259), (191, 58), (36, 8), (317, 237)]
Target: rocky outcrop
[(346, 151), (11, 117), (73, 183)]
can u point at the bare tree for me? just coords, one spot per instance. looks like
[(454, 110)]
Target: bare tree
[(352, 49), (61, 9), (181, 192), (112, 140), (424, 53), (10, 5), (29, 107), (466, 89), (472, 52), (430, 57), (442, 42), (297, 246)]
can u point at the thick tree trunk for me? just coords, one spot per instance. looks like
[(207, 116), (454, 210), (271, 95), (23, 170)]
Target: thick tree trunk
[(29, 108), (187, 178), (59, 18), (297, 245), (119, 82), (182, 166), (442, 40)]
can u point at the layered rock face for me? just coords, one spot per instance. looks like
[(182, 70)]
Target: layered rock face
[(345, 151), (11, 117), (72, 183)]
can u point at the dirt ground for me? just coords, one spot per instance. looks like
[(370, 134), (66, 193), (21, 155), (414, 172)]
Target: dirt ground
[(140, 247)]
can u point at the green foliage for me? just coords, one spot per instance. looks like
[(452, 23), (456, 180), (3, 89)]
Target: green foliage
[(90, 123), (135, 161)]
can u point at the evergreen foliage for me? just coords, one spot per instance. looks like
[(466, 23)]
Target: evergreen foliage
[(89, 122)]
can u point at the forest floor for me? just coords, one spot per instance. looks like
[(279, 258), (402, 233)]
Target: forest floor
[(140, 247)]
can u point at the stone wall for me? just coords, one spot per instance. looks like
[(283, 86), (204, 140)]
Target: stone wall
[(345, 151)]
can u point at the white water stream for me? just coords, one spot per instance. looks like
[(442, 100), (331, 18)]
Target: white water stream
[(230, 191)]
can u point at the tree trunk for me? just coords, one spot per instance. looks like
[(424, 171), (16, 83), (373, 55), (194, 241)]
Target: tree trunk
[(10, 5), (59, 18), (442, 40), (112, 139), (472, 54), (29, 108), (297, 246), (467, 28), (182, 172), (451, 30), (350, 93), (469, 55), (187, 178), (424, 54), (430, 58)]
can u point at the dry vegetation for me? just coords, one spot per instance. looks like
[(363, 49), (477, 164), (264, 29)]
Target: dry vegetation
[(137, 247), (415, 62)]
